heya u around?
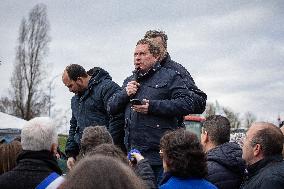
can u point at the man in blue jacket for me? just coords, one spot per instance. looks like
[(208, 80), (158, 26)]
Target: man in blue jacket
[(226, 167), (262, 152), (164, 97), (160, 38), (92, 92)]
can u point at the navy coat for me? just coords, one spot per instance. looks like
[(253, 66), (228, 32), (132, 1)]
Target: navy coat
[(168, 97), (90, 109), (225, 166)]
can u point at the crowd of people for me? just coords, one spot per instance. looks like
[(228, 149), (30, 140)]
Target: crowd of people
[(134, 137)]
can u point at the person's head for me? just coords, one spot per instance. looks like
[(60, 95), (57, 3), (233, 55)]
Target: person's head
[(75, 78), (262, 140), (93, 136), (108, 150), (39, 134), (182, 154), (158, 37), (9, 153), (146, 54), (102, 172), (282, 129), (215, 131)]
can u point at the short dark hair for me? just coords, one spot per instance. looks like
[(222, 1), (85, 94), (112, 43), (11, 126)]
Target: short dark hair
[(184, 154), (93, 136), (155, 33), (218, 129), (270, 139), (109, 150), (153, 48), (102, 172), (74, 71)]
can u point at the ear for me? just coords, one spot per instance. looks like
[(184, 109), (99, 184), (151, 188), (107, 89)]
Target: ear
[(257, 150), (204, 137), (79, 81), (53, 148)]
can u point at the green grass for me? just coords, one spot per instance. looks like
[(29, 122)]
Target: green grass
[(62, 142)]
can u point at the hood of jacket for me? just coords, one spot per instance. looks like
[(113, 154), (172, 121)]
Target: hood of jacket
[(97, 75), (228, 155)]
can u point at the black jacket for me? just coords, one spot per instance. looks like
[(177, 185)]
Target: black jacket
[(90, 109), (226, 166), (267, 173), (145, 172), (32, 168), (199, 96), (168, 98)]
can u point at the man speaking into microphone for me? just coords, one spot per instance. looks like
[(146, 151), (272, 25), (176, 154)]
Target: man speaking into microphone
[(152, 99)]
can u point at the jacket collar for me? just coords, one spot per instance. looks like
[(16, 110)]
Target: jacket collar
[(256, 167), (150, 72), (44, 156)]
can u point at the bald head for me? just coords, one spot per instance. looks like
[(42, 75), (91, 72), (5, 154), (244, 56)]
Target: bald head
[(269, 136)]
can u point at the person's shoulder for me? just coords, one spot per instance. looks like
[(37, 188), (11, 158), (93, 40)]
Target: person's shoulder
[(171, 64)]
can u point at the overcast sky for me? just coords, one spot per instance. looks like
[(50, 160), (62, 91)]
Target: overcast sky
[(233, 49)]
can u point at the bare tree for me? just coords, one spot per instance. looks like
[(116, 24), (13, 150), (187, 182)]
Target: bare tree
[(210, 109), (249, 118), (27, 98), (233, 117)]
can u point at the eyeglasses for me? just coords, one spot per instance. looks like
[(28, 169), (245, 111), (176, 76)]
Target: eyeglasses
[(161, 154)]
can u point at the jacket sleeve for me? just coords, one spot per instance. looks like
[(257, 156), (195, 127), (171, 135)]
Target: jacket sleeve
[(199, 96), (145, 172), (181, 100), (116, 121), (117, 103), (72, 148)]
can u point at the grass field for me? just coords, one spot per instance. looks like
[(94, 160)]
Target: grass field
[(62, 142)]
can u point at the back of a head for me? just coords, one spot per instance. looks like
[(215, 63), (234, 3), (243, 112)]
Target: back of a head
[(109, 150), (8, 155), (74, 71), (150, 34), (39, 134), (94, 136), (102, 172), (184, 154), (218, 129), (269, 136)]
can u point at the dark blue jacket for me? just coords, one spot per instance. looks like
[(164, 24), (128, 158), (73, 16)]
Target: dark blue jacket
[(32, 168), (168, 98), (199, 96), (266, 173), (91, 109), (225, 166)]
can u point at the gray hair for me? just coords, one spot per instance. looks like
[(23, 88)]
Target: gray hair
[(39, 134)]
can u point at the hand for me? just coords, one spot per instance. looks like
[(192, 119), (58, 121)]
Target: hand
[(70, 163), (132, 88), (137, 156), (141, 108)]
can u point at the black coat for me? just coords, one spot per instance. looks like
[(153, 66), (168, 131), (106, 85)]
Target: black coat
[(90, 109), (226, 166), (32, 168), (199, 96), (168, 98), (267, 173), (145, 172)]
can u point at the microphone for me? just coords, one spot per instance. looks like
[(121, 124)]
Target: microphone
[(136, 74), (135, 78)]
